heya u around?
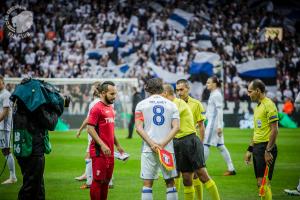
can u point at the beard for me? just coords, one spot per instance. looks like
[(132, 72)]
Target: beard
[(109, 101)]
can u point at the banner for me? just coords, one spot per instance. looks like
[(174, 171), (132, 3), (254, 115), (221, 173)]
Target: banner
[(97, 53), (264, 69), (273, 32), (179, 19), (167, 76), (204, 63)]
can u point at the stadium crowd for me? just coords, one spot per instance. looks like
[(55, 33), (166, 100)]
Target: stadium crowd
[(65, 31)]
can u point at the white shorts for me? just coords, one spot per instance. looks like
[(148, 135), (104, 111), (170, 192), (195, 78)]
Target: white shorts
[(4, 139), (150, 166), (89, 143), (211, 136)]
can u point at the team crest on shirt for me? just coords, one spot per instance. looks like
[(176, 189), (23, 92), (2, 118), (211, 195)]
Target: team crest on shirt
[(258, 122), (98, 172)]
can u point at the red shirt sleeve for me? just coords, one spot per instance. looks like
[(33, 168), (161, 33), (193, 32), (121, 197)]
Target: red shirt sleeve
[(94, 116)]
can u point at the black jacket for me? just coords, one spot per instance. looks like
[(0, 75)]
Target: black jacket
[(136, 98)]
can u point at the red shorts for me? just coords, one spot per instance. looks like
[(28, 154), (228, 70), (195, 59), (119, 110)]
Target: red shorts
[(103, 168)]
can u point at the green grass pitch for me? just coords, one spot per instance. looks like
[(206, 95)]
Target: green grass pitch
[(66, 162)]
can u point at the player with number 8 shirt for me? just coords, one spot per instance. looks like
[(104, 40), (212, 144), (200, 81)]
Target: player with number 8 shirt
[(157, 122)]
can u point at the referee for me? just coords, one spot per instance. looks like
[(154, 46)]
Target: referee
[(263, 145), (188, 148)]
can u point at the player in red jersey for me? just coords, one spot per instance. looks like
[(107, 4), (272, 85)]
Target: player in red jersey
[(101, 128)]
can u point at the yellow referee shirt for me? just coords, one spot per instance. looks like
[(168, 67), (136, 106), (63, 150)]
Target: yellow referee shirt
[(197, 109), (186, 119), (264, 114)]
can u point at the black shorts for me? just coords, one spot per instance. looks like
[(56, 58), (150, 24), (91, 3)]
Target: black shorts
[(189, 153), (259, 159)]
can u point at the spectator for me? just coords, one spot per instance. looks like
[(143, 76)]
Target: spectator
[(288, 106)]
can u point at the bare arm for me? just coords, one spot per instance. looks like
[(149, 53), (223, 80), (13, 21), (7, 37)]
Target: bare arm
[(91, 130), (271, 143), (117, 144), (83, 125), (4, 113), (201, 129), (172, 133), (140, 130), (248, 155)]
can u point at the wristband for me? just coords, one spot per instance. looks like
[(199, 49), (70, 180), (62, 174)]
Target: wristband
[(250, 149), (269, 150)]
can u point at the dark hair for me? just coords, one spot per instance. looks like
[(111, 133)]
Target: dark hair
[(154, 86), (183, 81), (216, 80), (258, 84), (104, 86)]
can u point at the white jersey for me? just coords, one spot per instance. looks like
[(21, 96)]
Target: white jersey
[(158, 113), (91, 105), (5, 124), (214, 110), (214, 115)]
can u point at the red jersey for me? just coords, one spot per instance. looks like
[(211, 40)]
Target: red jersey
[(102, 117)]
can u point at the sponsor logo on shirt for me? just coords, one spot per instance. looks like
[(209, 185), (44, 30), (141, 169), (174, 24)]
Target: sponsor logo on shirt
[(109, 120), (258, 122)]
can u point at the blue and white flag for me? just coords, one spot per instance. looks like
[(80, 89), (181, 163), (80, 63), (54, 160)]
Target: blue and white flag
[(264, 69), (119, 71), (133, 22), (179, 19), (156, 6), (204, 62), (204, 42), (97, 53), (126, 51), (116, 41), (165, 75)]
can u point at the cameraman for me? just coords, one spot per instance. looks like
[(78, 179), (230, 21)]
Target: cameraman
[(31, 140), (32, 166)]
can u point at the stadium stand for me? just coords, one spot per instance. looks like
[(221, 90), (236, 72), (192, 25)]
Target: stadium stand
[(107, 39)]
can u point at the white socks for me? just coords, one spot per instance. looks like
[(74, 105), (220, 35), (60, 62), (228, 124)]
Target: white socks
[(11, 166), (298, 187), (225, 153), (88, 171), (147, 193), (206, 152), (172, 194), (111, 182)]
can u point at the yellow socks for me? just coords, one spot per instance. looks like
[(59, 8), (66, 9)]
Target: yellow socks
[(212, 189), (268, 195), (189, 192), (177, 183), (198, 186)]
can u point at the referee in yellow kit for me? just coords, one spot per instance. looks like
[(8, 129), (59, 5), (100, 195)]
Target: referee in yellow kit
[(263, 145), (189, 151)]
